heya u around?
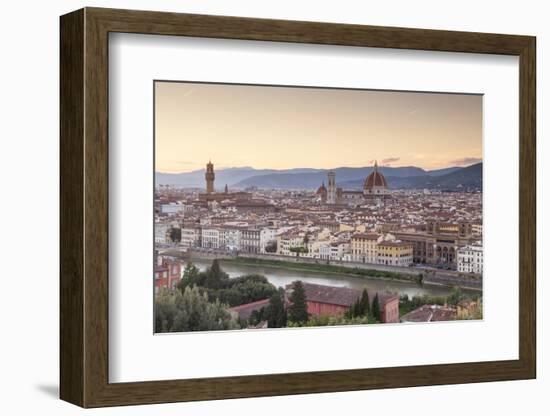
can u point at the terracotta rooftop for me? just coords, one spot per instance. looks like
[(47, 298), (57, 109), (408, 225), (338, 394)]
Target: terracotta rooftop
[(246, 309), (366, 236), (333, 295), (430, 313), (342, 296)]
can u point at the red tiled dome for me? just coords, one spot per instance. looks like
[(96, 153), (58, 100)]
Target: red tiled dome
[(375, 179), (322, 190)]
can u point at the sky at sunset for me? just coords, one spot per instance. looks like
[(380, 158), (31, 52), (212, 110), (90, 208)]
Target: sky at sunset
[(286, 127)]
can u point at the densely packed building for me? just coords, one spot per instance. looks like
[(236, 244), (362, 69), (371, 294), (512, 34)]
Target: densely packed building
[(374, 226)]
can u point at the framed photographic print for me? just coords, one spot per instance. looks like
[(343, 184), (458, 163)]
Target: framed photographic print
[(255, 207)]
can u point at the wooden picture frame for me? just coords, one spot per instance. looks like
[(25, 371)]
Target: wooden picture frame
[(84, 207)]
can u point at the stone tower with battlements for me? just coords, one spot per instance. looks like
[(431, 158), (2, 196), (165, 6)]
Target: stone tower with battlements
[(209, 176)]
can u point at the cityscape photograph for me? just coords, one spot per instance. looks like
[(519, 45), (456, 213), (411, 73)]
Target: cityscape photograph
[(288, 207)]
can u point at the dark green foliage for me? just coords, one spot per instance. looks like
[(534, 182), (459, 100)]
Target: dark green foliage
[(407, 304), (361, 307), (191, 271), (376, 308), (217, 284), (215, 276), (328, 320), (258, 316), (365, 303), (271, 247), (298, 250), (297, 311), (325, 267), (455, 296), (244, 289), (190, 310), (275, 313), (165, 311), (175, 234), (191, 277)]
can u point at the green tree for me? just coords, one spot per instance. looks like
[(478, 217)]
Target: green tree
[(455, 296), (365, 303), (276, 313), (298, 250), (258, 315), (361, 307), (215, 276), (245, 290), (331, 320), (165, 311), (271, 247), (190, 271), (191, 277), (297, 311), (175, 234), (191, 311), (376, 308)]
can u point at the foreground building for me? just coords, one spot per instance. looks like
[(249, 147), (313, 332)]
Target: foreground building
[(167, 273), (244, 311), (331, 300), (430, 313)]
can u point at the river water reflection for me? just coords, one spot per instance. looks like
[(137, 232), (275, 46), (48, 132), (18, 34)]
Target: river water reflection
[(280, 277)]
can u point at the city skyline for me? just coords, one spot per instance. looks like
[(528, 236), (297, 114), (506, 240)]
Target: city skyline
[(276, 127)]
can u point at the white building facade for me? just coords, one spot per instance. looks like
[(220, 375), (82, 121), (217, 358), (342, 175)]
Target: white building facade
[(190, 237), (210, 237), (267, 236), (470, 259)]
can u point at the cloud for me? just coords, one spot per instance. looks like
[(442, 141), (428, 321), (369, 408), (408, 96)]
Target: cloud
[(466, 161), (389, 160)]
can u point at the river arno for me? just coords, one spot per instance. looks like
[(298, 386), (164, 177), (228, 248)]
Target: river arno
[(280, 277)]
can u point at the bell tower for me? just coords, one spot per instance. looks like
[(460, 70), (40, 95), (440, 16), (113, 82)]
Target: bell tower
[(209, 176), (331, 192)]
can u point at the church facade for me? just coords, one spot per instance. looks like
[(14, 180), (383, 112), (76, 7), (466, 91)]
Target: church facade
[(375, 189)]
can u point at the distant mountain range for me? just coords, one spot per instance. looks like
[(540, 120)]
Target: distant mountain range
[(462, 178), (409, 177)]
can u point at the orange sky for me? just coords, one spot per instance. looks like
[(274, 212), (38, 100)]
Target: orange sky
[(285, 127)]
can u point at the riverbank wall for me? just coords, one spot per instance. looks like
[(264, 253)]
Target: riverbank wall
[(429, 276)]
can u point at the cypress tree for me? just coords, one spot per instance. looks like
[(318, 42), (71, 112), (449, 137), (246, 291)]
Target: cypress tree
[(276, 313), (214, 276), (297, 312), (365, 303), (376, 308)]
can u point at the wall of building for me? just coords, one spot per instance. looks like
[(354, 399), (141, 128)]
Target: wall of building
[(318, 308)]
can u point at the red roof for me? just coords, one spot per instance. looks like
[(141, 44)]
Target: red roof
[(246, 309), (365, 236), (341, 296), (375, 179)]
